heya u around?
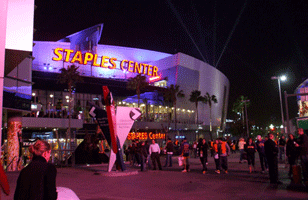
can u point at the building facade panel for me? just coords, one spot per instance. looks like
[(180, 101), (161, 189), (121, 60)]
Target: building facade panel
[(121, 63)]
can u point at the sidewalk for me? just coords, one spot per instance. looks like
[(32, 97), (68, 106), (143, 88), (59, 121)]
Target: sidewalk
[(93, 183)]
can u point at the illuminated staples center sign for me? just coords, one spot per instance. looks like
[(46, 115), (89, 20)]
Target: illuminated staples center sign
[(145, 136), (71, 56)]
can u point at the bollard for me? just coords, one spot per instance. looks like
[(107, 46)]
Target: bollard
[(297, 174)]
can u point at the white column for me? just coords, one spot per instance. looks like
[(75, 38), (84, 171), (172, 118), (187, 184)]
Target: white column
[(14, 130), (3, 17)]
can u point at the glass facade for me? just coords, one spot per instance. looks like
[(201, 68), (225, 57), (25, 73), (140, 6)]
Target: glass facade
[(17, 84), (55, 104)]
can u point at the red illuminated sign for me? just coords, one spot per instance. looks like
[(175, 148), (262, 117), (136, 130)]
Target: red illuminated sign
[(145, 136), (103, 61), (154, 78)]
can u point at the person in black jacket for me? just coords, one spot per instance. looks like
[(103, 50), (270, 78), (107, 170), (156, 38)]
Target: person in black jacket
[(302, 143), (169, 152), (291, 152), (250, 148), (282, 144), (271, 152), (143, 156), (37, 180), (202, 151), (148, 158), (260, 148), (137, 152)]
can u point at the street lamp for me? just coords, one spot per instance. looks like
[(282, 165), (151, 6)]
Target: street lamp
[(271, 126), (280, 78)]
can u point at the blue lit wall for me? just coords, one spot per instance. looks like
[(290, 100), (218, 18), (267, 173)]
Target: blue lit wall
[(187, 72), (193, 74)]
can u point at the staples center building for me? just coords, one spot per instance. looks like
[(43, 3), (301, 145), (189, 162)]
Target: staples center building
[(113, 66)]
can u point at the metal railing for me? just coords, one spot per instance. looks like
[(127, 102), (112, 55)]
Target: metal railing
[(63, 158)]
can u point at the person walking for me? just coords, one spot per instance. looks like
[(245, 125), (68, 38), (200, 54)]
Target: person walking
[(195, 149), (38, 179), (241, 144), (154, 151), (185, 154), (250, 149), (292, 153), (126, 152), (216, 156), (261, 152), (143, 156), (211, 144), (282, 144), (202, 149), (137, 153), (271, 152), (177, 149), (233, 147), (133, 153), (222, 151), (130, 155), (148, 159), (169, 151), (302, 143)]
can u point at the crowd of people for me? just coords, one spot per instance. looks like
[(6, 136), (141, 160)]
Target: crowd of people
[(270, 150), (38, 179), (141, 153)]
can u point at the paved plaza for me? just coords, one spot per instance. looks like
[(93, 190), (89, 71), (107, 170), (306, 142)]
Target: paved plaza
[(94, 183)]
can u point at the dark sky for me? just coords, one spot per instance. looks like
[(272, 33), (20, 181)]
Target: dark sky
[(259, 39)]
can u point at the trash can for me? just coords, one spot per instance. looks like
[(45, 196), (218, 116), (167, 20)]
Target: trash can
[(297, 174)]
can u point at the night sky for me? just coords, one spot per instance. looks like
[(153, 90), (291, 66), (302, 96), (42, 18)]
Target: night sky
[(249, 41)]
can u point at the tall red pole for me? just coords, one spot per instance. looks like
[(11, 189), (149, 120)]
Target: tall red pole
[(111, 115)]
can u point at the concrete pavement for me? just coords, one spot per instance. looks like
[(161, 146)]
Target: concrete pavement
[(93, 183)]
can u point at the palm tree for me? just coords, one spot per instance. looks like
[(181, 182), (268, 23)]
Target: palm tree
[(239, 105), (171, 94), (195, 97), (137, 83), (145, 101), (69, 76), (208, 99)]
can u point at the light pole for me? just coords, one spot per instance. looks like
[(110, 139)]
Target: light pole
[(280, 78)]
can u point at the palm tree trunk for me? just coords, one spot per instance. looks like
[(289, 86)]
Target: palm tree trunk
[(211, 123), (175, 118), (59, 147), (138, 95), (68, 134), (243, 119), (210, 120), (146, 110), (197, 114)]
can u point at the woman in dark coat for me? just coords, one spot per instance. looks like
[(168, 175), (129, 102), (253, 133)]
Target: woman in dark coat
[(250, 147), (37, 181)]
